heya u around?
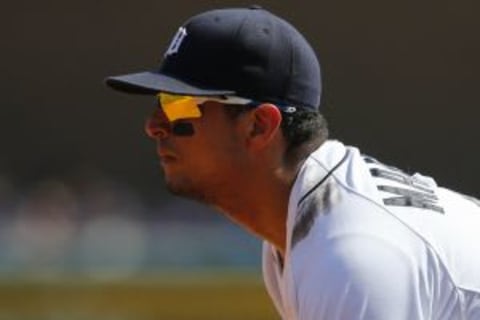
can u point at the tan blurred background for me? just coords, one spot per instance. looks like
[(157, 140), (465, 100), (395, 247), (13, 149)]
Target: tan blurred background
[(86, 227)]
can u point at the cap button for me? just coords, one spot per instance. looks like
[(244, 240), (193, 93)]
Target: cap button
[(255, 7)]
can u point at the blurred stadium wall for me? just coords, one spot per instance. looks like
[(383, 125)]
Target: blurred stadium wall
[(102, 229)]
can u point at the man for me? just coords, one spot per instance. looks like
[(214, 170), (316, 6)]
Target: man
[(345, 236)]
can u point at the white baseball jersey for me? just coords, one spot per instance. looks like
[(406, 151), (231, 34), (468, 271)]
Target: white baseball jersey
[(368, 241)]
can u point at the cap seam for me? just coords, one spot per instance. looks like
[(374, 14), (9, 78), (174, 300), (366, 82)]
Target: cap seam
[(288, 84), (236, 35), (240, 26)]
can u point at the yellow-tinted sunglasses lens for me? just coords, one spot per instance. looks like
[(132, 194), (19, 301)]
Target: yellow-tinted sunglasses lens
[(179, 107)]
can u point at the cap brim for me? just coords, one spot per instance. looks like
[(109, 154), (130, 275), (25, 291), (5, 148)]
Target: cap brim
[(150, 82)]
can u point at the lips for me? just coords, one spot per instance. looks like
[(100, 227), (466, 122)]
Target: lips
[(166, 156), (167, 159)]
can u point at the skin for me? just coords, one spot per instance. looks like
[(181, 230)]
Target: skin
[(236, 166)]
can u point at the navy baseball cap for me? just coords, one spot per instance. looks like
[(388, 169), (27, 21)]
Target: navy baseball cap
[(246, 52)]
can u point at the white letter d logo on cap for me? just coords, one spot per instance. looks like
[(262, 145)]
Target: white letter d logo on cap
[(176, 41)]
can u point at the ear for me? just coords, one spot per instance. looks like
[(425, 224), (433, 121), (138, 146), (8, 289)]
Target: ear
[(264, 125)]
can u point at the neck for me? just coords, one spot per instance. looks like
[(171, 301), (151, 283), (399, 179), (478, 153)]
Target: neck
[(260, 205)]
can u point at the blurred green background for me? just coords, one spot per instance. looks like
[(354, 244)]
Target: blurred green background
[(235, 296), (87, 229)]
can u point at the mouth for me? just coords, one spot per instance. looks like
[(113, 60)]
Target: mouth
[(166, 157)]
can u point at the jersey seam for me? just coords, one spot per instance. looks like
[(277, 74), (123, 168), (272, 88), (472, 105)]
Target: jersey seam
[(476, 291), (329, 173)]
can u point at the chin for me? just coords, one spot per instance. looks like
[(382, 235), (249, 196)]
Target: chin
[(188, 190), (181, 188)]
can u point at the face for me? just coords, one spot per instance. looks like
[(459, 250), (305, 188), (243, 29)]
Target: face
[(201, 165)]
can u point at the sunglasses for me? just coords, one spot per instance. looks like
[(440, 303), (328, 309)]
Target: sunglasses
[(180, 107)]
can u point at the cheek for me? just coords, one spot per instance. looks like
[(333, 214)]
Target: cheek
[(216, 145), (215, 155)]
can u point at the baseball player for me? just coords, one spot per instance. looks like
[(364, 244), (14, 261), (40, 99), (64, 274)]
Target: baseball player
[(238, 126)]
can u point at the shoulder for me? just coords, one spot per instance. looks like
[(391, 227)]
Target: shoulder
[(358, 261), (356, 276)]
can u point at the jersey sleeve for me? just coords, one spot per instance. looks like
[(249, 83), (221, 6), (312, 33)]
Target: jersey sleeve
[(358, 277)]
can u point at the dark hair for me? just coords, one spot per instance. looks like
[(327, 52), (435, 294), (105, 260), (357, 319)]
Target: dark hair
[(304, 130)]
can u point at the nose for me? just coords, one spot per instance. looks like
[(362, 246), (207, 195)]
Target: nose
[(157, 126)]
